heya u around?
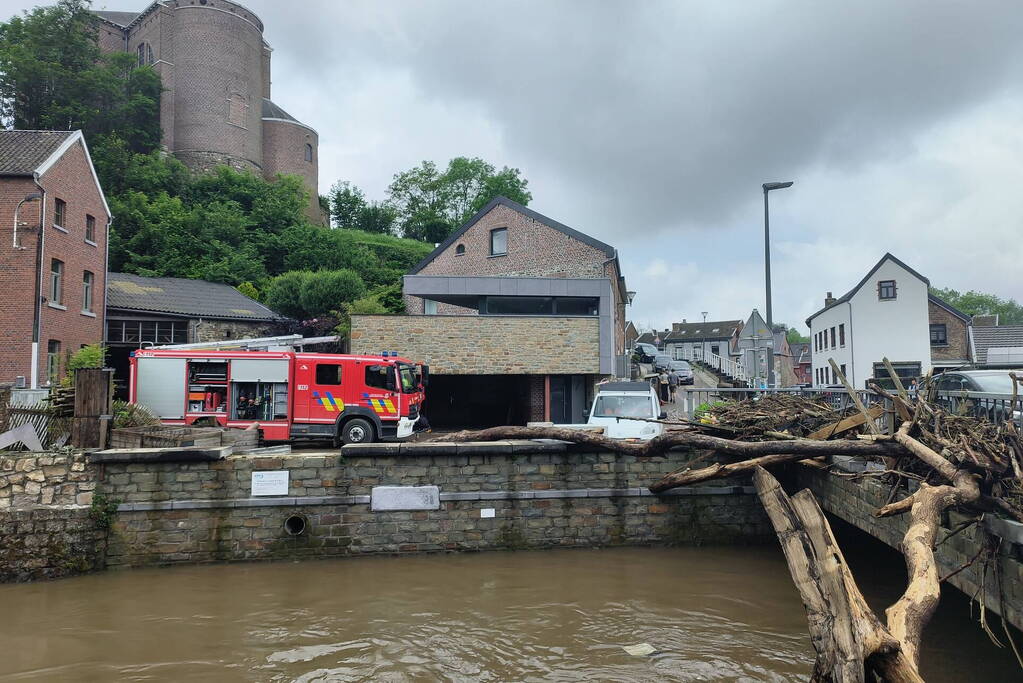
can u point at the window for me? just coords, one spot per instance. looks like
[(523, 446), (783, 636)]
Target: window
[(131, 332), (53, 361), (430, 307), (841, 335), (460, 250), (715, 349), (237, 106), (59, 213), (56, 281), (519, 305), (141, 54), (842, 368), (90, 229), (832, 337), (328, 373), (499, 242), (380, 377), (308, 152), (939, 335), (576, 305), (623, 406), (149, 54), (886, 290), (87, 281)]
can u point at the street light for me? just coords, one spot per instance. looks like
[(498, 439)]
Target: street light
[(767, 271), (28, 198)]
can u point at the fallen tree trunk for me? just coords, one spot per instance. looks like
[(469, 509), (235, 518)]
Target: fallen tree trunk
[(691, 440)]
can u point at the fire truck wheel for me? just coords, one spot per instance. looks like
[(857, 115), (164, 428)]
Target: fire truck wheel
[(357, 431)]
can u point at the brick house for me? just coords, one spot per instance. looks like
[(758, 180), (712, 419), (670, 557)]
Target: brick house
[(153, 311), (950, 335), (53, 253), (517, 315)]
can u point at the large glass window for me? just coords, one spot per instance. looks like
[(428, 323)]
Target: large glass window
[(499, 241), (540, 305), (576, 305), (56, 281)]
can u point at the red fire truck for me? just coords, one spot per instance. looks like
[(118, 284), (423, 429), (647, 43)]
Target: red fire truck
[(350, 399)]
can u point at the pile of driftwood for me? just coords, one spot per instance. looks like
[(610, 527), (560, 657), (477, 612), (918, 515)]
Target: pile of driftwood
[(956, 462)]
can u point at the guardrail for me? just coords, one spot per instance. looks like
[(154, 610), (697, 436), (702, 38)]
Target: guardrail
[(996, 408), (731, 368)]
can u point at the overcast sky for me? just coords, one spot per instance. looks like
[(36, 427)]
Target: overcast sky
[(652, 125)]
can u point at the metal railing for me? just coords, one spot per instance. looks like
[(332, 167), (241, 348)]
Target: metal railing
[(730, 368), (995, 408)]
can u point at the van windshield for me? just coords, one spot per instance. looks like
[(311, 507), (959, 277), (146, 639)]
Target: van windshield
[(623, 406)]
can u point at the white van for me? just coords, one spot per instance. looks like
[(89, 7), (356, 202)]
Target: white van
[(617, 402)]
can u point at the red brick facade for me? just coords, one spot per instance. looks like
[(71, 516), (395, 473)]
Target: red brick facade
[(71, 180)]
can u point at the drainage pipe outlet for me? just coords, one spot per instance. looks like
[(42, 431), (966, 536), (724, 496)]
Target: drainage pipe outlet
[(295, 525)]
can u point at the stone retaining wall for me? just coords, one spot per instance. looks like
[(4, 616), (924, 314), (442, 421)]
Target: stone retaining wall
[(856, 501), (507, 495)]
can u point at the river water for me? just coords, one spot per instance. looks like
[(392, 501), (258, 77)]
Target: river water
[(728, 614)]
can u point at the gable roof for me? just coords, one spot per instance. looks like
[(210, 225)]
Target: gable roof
[(121, 19), (181, 296), (711, 329), (848, 295), (648, 337), (24, 152), (937, 301), (800, 351), (984, 338), (33, 152), (608, 250)]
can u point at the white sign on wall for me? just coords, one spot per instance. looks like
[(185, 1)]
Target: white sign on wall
[(487, 513), (270, 483)]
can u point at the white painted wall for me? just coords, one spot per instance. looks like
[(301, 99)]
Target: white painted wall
[(875, 329)]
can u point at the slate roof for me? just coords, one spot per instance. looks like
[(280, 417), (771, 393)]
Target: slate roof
[(801, 352), (608, 250), (119, 18), (23, 151), (274, 111), (711, 329), (848, 295), (648, 337), (180, 296), (984, 338)]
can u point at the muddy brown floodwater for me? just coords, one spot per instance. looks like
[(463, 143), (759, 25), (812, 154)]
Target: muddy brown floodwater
[(711, 613)]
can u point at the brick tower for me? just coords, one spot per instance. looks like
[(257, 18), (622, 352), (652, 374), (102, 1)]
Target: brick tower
[(216, 107)]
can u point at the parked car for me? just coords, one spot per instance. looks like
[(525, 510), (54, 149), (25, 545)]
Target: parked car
[(662, 361), (956, 386), (645, 352), (683, 370)]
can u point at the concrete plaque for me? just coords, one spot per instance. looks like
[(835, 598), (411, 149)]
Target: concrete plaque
[(270, 483), (405, 498)]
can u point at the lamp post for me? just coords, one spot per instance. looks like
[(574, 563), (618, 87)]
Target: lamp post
[(767, 272), (17, 210)]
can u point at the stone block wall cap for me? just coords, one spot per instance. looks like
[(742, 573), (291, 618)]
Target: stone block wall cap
[(1006, 528), (370, 448)]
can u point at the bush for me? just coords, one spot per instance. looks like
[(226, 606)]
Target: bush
[(329, 290), (132, 415), (284, 293)]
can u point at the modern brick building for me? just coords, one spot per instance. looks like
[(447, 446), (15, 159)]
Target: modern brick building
[(215, 69), (53, 253), (517, 315)]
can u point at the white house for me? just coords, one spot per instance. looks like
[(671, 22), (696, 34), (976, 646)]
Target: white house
[(884, 316), (700, 341)]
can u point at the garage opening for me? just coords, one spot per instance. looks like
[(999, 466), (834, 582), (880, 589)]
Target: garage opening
[(477, 401)]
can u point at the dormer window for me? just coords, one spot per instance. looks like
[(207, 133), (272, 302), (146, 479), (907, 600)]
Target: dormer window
[(886, 290), (499, 242), (460, 250)]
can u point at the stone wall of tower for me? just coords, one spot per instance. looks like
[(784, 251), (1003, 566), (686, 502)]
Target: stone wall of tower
[(285, 151)]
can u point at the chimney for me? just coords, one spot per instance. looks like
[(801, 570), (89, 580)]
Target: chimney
[(985, 320), (829, 300)]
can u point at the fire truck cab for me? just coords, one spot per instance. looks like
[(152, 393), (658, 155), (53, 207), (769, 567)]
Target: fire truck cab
[(290, 395)]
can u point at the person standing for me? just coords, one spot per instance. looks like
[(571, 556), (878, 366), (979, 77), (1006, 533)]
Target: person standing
[(662, 378), (672, 384)]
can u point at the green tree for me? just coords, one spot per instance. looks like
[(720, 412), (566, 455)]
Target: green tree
[(377, 217), (248, 289), (972, 302), (327, 290), (346, 203), (794, 337), (54, 77), (284, 293)]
